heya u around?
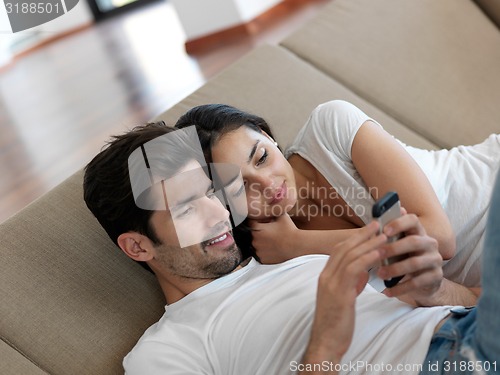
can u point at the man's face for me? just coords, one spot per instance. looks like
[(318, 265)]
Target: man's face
[(194, 216)]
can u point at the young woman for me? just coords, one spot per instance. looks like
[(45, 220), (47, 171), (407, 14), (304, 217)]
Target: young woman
[(323, 187)]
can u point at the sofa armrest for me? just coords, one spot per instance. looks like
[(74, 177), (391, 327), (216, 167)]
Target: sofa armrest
[(72, 302), (14, 363)]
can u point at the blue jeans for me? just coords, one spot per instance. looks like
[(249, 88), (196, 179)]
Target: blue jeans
[(469, 342)]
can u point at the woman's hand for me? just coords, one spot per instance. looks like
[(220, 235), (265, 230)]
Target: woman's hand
[(275, 241)]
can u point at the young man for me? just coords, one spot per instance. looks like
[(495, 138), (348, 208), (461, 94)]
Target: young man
[(313, 314)]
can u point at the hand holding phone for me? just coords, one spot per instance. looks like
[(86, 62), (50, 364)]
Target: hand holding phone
[(385, 210)]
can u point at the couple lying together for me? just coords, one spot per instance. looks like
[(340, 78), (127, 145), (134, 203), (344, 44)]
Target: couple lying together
[(311, 305)]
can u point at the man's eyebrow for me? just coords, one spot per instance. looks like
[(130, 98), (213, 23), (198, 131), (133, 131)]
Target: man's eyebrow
[(181, 203), (252, 153)]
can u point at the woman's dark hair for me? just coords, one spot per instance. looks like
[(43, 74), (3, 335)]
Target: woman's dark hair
[(212, 121), (107, 188)]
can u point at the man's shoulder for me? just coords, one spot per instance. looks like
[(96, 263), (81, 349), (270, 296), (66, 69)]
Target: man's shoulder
[(165, 345), (169, 331)]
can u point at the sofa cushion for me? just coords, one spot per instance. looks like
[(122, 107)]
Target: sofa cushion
[(72, 303), (275, 84), (431, 65)]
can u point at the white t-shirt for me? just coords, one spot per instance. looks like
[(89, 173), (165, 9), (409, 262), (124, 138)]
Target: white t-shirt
[(462, 178), (257, 320)]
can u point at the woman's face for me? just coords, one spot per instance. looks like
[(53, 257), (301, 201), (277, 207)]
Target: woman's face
[(269, 178)]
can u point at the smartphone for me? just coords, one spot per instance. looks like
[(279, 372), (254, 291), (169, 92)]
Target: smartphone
[(384, 211)]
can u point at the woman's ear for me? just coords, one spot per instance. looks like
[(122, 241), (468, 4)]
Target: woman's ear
[(137, 246)]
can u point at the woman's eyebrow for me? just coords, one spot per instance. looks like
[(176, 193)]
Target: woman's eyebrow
[(252, 153)]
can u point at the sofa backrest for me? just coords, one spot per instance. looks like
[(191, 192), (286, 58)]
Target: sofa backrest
[(274, 83), (432, 65)]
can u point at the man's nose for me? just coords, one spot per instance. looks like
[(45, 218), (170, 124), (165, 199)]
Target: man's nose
[(215, 211)]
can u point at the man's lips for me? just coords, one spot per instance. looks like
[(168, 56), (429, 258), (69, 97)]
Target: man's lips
[(280, 194), (222, 240)]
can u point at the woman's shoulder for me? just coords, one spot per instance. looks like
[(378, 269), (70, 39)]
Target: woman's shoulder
[(333, 125)]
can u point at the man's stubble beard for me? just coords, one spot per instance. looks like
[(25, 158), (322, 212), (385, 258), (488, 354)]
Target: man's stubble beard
[(185, 267), (227, 264)]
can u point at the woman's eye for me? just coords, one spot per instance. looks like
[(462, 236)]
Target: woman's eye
[(263, 158)]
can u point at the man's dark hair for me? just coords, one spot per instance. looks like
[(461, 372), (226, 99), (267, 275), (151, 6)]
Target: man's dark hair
[(212, 121), (107, 188)]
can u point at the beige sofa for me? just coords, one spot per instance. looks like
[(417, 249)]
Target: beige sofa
[(429, 71)]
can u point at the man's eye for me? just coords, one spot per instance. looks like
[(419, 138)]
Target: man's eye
[(263, 158), (185, 212)]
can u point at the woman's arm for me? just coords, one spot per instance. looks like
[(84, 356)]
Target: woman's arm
[(384, 165), (450, 293), (279, 240)]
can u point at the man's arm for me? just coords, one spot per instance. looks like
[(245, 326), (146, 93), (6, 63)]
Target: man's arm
[(341, 281), (346, 274)]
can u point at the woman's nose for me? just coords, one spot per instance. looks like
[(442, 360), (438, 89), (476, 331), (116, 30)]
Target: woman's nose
[(259, 183)]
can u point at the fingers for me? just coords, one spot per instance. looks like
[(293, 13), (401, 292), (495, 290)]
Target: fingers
[(284, 219), (426, 280), (408, 224), (258, 224), (346, 272), (350, 251), (415, 263), (411, 245), (422, 267), (363, 235)]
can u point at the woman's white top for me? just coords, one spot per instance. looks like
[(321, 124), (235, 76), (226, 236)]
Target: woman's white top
[(462, 178)]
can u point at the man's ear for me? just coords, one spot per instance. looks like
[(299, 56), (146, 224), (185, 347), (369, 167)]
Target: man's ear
[(137, 246)]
